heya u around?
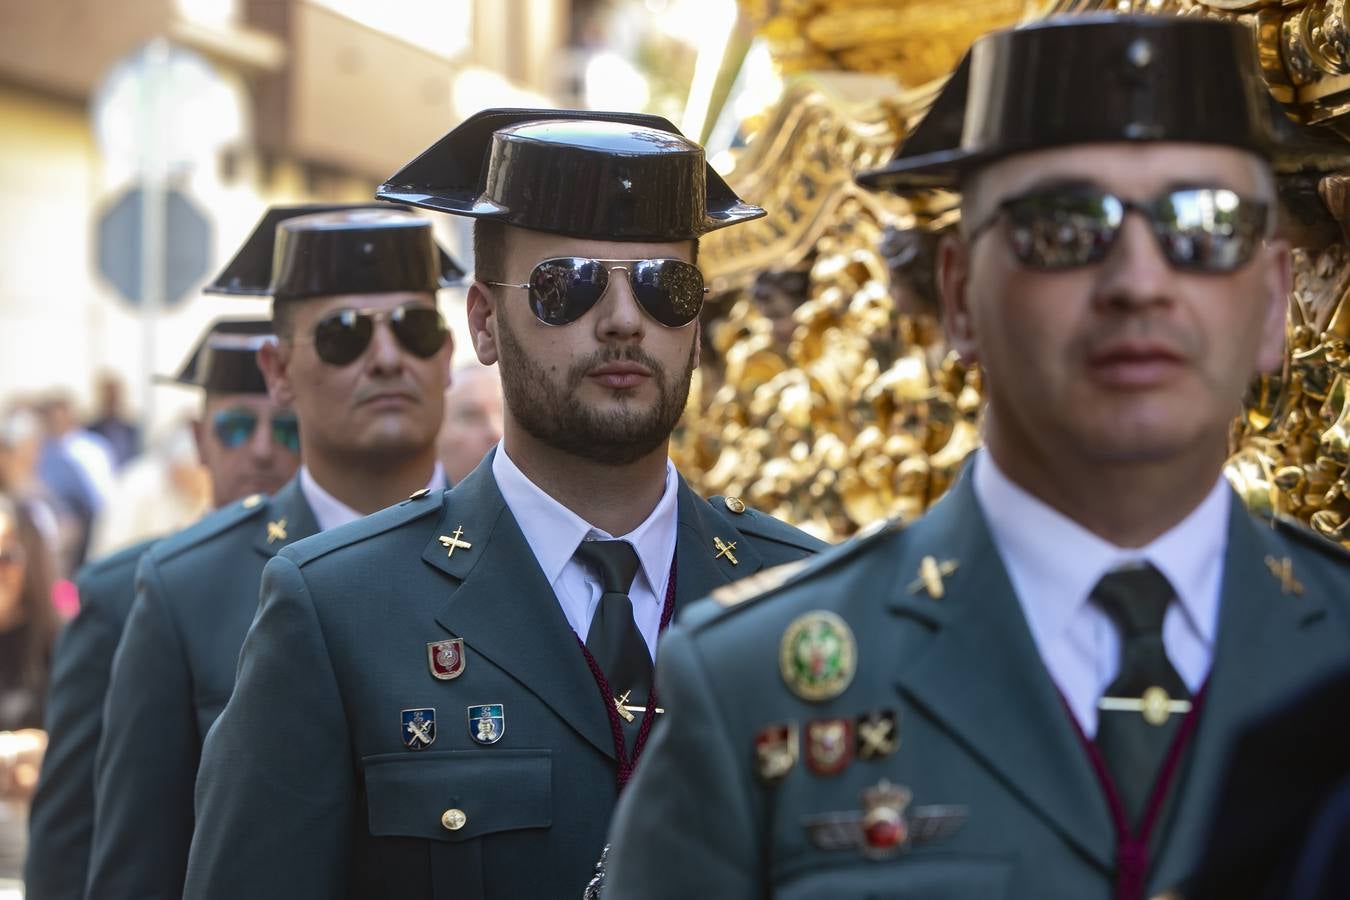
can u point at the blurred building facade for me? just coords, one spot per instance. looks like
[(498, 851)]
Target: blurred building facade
[(253, 102)]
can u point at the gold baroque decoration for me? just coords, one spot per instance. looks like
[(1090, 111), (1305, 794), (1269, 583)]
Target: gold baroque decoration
[(864, 414)]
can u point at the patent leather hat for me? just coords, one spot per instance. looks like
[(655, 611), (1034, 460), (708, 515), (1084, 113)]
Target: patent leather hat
[(316, 250), (1099, 78), (224, 361), (580, 173)]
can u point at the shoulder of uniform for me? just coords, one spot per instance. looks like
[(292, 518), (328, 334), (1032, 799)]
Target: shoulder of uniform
[(749, 591), (114, 563), (1296, 530), (420, 505), (762, 525), (212, 526)]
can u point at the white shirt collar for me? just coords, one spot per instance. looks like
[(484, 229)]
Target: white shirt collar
[(330, 512), (554, 532), (1056, 553)]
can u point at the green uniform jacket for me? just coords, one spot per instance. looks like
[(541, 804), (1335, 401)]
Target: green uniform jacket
[(61, 822), (196, 594), (307, 791), (981, 725)]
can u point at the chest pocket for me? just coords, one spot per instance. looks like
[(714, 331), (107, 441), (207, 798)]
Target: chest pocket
[(409, 794)]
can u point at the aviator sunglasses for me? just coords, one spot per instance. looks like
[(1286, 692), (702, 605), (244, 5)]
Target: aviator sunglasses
[(1203, 230), (564, 289), (342, 336), (235, 427)]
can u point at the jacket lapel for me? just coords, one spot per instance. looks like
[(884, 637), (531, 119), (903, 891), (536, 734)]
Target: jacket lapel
[(982, 677), (700, 566), (506, 611), (1269, 645), (289, 519)]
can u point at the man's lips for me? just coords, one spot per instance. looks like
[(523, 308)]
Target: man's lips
[(388, 398), (620, 375), (1134, 364)]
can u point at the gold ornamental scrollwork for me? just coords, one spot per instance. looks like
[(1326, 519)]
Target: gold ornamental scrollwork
[(862, 412)]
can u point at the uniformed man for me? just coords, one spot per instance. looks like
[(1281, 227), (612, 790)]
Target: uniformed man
[(445, 699), (1027, 693), (362, 355), (249, 444)]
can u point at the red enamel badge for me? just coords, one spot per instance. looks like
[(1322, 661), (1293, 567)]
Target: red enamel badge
[(829, 745), (446, 659)]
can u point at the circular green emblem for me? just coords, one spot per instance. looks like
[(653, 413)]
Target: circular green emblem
[(817, 655)]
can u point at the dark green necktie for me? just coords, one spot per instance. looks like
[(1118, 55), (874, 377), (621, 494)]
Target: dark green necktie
[(1138, 717), (613, 638)]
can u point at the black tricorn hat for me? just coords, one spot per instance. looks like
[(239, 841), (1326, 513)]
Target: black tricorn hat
[(224, 361), (596, 175), (358, 248), (1100, 78), (371, 250)]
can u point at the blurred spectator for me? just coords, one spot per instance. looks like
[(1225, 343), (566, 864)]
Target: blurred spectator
[(473, 420), (28, 621), (20, 447), (778, 293), (159, 492), (76, 465), (122, 435)]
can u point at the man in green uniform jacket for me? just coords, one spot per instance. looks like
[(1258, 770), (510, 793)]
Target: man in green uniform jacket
[(362, 356), (248, 444), (444, 699), (1029, 692)]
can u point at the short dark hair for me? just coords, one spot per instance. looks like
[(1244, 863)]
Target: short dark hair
[(489, 250), (283, 322)]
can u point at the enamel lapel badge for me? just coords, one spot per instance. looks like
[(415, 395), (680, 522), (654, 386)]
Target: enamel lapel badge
[(885, 825), (487, 723), (419, 728), (817, 655), (775, 750), (446, 659), (829, 745)]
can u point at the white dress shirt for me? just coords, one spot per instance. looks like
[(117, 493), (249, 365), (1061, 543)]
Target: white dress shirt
[(330, 512), (1054, 563), (554, 532)]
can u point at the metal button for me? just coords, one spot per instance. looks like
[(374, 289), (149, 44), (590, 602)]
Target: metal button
[(453, 819), (252, 500), (418, 495), (735, 504)]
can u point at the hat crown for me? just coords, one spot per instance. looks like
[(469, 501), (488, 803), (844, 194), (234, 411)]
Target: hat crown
[(360, 251), (1101, 78), (224, 359)]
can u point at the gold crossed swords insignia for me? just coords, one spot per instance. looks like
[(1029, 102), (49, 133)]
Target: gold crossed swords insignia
[(1283, 569), (626, 710), (931, 573), (453, 542), (276, 531), (724, 549)]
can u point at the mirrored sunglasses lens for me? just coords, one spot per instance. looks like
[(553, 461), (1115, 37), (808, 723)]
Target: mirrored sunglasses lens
[(563, 290), (342, 337), (670, 290), (1209, 229), (286, 432), (234, 427), (420, 329), (1063, 229)]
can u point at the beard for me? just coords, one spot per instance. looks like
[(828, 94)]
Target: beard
[(552, 413)]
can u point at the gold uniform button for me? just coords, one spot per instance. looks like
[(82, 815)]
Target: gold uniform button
[(418, 495), (735, 504), (252, 500), (453, 819)]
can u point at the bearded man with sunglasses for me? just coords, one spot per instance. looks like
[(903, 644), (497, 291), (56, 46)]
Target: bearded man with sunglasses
[(1029, 691), (445, 699), (362, 357), (248, 444)]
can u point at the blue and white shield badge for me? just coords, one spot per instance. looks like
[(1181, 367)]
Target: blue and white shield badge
[(487, 723), (419, 728)]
